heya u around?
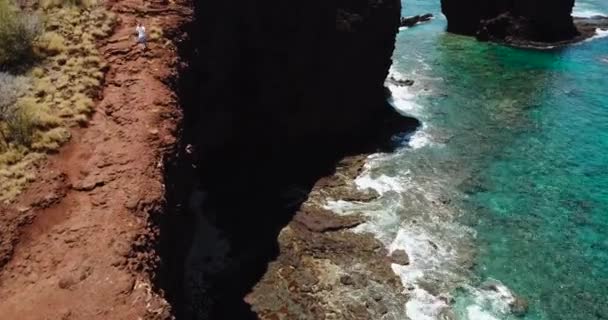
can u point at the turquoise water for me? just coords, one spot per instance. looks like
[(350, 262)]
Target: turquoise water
[(519, 139)]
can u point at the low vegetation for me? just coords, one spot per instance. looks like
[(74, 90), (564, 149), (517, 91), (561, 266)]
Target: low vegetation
[(18, 31), (50, 74)]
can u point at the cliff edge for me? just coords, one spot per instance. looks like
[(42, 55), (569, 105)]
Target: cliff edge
[(283, 92), (276, 74), (78, 242)]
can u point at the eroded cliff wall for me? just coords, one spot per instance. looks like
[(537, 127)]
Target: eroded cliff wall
[(278, 92), (278, 73), (511, 20)]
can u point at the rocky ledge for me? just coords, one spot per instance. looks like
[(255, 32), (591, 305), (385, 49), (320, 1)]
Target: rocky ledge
[(324, 269)]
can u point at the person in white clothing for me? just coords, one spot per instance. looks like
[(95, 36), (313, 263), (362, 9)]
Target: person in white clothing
[(141, 35)]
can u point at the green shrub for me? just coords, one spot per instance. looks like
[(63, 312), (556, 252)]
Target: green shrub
[(20, 124), (17, 34), (11, 89)]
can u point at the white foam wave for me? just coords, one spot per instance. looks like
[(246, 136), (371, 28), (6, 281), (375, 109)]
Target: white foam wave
[(383, 224), (426, 253), (381, 184), (424, 306), (495, 296), (432, 242), (431, 260), (421, 138), (403, 100), (583, 13), (402, 97), (411, 216), (491, 301), (383, 218), (585, 10), (340, 207), (599, 33), (475, 312)]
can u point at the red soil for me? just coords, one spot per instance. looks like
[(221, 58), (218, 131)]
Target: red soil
[(77, 243)]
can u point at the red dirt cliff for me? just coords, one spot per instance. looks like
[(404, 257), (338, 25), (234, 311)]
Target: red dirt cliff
[(76, 244)]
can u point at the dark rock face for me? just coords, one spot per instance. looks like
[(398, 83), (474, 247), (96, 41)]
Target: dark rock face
[(514, 20), (283, 72), (282, 91)]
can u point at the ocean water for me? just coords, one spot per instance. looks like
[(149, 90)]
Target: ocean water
[(502, 196)]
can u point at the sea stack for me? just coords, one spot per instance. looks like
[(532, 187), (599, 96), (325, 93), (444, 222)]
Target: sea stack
[(515, 21)]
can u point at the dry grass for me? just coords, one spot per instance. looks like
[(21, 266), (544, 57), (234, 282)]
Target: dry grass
[(61, 91), (156, 33), (50, 4), (51, 43)]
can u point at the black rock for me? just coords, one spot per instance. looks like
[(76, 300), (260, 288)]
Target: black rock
[(401, 82), (519, 306), (400, 257), (347, 280), (543, 21), (412, 21)]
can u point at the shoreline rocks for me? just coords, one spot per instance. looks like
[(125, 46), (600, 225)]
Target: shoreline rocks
[(400, 82), (326, 271), (586, 27), (400, 257), (414, 20), (536, 24), (519, 306)]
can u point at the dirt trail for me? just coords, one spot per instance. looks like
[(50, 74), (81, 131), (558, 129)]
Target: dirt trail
[(76, 244)]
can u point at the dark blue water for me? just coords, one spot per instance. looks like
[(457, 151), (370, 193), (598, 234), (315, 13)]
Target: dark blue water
[(519, 141)]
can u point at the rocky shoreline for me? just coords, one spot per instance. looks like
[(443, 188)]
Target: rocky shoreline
[(534, 24), (587, 28), (324, 269)]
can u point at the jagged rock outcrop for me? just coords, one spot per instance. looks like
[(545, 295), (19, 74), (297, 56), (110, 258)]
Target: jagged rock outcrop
[(512, 21)]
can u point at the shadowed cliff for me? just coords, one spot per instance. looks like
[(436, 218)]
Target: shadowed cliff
[(281, 72), (277, 93)]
